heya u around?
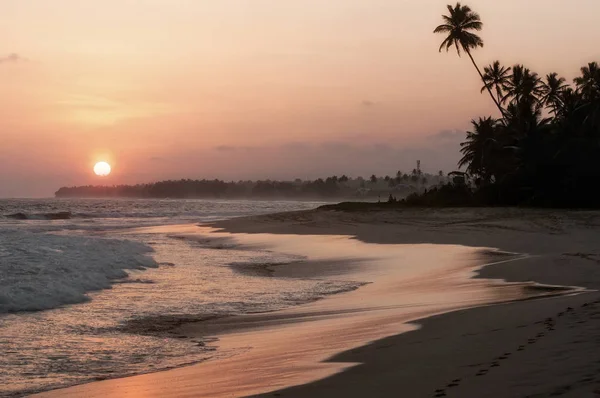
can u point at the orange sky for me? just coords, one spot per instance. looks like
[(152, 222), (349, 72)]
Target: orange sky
[(253, 88)]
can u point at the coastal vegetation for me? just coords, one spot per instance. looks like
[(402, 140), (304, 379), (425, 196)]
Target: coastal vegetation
[(334, 187), (543, 148)]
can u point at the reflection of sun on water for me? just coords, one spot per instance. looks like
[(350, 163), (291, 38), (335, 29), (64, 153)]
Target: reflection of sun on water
[(102, 169)]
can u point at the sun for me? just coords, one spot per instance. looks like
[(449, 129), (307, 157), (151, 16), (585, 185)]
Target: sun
[(102, 169)]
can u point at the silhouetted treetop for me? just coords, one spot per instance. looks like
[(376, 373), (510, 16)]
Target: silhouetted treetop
[(544, 150)]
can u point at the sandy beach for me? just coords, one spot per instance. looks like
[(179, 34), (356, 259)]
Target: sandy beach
[(317, 199), (432, 318)]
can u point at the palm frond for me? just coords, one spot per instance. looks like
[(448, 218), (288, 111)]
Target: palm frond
[(460, 24), (443, 29), (446, 43)]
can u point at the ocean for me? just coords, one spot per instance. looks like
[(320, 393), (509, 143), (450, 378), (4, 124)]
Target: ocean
[(88, 292)]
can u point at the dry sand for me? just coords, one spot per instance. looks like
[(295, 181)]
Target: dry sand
[(537, 348)]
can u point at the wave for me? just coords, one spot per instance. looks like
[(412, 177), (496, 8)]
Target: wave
[(61, 215), (68, 215), (165, 210), (44, 271)]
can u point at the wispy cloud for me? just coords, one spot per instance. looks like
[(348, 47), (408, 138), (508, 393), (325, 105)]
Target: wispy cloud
[(12, 59), (368, 103), (448, 135), (315, 159), (225, 148)]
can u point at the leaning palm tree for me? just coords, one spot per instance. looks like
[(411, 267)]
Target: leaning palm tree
[(459, 27), (589, 82), (496, 77), (551, 90)]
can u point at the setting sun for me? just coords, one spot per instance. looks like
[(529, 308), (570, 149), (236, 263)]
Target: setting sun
[(102, 169)]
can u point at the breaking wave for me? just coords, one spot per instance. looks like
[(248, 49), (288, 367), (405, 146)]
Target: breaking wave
[(61, 215), (43, 271)]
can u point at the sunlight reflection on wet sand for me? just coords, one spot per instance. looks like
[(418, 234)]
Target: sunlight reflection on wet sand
[(291, 347)]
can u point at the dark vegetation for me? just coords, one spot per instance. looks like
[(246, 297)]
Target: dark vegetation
[(543, 149), (448, 195), (334, 187)]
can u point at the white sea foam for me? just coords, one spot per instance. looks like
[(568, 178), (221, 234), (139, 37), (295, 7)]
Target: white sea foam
[(181, 210), (43, 271), (48, 260)]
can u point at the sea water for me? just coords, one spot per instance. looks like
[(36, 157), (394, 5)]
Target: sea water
[(87, 294)]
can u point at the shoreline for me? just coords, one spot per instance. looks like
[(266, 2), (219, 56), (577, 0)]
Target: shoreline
[(260, 224)]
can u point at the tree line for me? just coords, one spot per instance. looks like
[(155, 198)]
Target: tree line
[(543, 148), (401, 184)]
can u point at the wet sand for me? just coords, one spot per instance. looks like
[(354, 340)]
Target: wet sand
[(350, 344)]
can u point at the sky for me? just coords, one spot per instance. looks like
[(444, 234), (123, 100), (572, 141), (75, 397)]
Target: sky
[(248, 89)]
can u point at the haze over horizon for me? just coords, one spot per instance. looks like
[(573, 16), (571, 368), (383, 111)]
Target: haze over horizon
[(241, 89)]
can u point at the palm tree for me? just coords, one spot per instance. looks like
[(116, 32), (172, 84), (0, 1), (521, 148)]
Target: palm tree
[(523, 87), (570, 100), (496, 76), (478, 146), (551, 90), (589, 87), (459, 27), (589, 82)]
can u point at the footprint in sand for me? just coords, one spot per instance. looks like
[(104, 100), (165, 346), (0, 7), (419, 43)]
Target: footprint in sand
[(455, 383), (588, 379)]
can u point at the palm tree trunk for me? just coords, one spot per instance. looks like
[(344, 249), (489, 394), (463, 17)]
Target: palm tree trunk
[(483, 80)]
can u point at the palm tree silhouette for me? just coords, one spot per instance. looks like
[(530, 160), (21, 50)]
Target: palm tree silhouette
[(496, 77), (551, 91), (589, 82), (523, 87), (570, 102), (477, 148), (459, 26)]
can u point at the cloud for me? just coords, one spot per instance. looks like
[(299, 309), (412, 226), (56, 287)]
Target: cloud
[(314, 159), (448, 135), (12, 59), (226, 148), (368, 103)]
